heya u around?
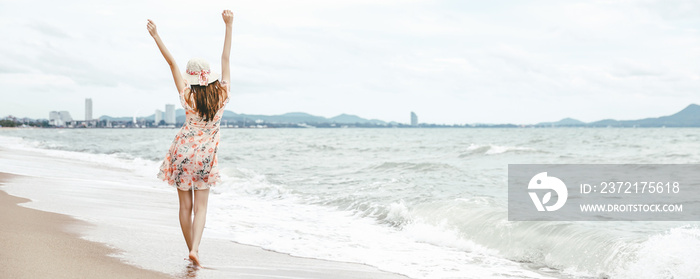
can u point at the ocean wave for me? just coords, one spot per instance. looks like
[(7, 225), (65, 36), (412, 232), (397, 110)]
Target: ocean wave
[(425, 166), (672, 254), (119, 160), (479, 225), (249, 182), (491, 149), (390, 236), (568, 248), (321, 147)]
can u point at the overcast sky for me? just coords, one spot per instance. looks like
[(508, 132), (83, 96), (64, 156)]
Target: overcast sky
[(448, 61)]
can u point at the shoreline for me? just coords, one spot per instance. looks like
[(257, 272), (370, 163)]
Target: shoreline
[(40, 244), (84, 207)]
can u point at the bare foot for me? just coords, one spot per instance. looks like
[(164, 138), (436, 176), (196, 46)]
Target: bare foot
[(195, 258)]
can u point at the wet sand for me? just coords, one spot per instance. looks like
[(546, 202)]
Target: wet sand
[(39, 244)]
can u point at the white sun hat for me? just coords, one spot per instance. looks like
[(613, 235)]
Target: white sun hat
[(198, 72)]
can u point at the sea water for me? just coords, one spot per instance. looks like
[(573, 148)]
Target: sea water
[(427, 203)]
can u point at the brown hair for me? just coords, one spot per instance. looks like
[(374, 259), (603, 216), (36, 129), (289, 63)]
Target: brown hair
[(207, 99)]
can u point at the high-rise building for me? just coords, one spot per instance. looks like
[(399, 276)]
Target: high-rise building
[(414, 119), (54, 118), (159, 116), (65, 116), (59, 118), (88, 109), (170, 114)]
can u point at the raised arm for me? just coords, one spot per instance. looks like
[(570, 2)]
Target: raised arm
[(177, 77), (225, 67)]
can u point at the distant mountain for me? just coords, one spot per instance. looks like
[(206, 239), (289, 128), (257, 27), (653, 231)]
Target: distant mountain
[(349, 118), (298, 117), (109, 118), (688, 117), (287, 118), (292, 117), (562, 123)]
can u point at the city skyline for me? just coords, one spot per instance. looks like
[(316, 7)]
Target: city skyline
[(59, 118), (454, 62), (169, 115), (687, 117)]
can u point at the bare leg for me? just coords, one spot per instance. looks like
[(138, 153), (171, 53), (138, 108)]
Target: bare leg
[(186, 215), (201, 198)]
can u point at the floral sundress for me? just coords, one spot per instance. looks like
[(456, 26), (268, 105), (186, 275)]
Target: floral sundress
[(191, 160)]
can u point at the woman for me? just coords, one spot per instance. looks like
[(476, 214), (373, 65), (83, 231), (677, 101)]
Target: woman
[(191, 164)]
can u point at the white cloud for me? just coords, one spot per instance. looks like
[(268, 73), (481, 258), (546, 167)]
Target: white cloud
[(451, 62)]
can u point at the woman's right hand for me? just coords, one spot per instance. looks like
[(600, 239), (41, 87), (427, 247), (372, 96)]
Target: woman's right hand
[(228, 16), (152, 28)]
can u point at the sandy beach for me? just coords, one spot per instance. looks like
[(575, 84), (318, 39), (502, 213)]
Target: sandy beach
[(97, 234), (39, 244)]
